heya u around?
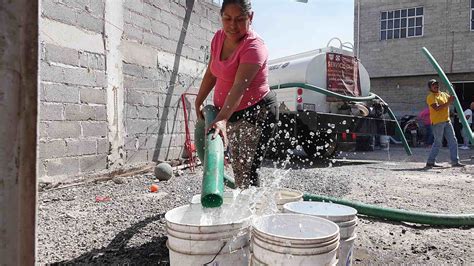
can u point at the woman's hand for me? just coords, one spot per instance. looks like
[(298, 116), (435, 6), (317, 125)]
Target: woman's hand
[(220, 128), (199, 114)]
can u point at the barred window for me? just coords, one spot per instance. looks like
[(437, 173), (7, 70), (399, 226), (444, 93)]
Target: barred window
[(402, 23)]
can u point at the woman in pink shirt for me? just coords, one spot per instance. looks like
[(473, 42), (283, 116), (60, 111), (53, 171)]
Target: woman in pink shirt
[(238, 73)]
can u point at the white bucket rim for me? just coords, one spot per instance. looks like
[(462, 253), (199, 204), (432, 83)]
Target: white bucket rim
[(300, 249), (348, 223), (298, 255), (207, 236), (331, 211), (235, 223), (283, 242), (315, 239)]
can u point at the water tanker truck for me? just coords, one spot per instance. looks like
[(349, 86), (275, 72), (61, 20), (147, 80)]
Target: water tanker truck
[(325, 101)]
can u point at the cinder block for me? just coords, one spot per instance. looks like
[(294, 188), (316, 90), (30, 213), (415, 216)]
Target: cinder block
[(51, 111), (139, 126), (52, 149), (48, 72), (151, 11), (61, 55), (97, 8), (100, 113), (102, 146), (151, 99), (134, 5), (139, 21), (62, 166), (139, 156), (94, 129), (63, 129), (147, 112), (58, 11), (92, 60), (89, 22), (131, 111), (152, 39), (177, 9), (132, 143), (76, 147), (93, 95), (76, 112), (134, 97), (160, 28), (93, 163), (133, 33), (80, 76), (133, 70), (147, 142)]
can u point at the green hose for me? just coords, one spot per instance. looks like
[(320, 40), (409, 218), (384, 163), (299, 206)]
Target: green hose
[(399, 215), (371, 96), (199, 141), (212, 190), (457, 105)]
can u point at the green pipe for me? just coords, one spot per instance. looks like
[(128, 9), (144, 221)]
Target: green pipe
[(371, 96), (399, 215), (451, 90), (199, 141), (212, 190)]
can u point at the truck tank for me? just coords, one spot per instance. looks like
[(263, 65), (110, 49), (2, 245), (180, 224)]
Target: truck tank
[(311, 68)]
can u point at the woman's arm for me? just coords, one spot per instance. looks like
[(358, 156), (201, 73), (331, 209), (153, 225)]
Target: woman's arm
[(208, 82), (243, 77)]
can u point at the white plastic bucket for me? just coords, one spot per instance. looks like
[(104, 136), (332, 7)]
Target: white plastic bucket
[(285, 195), (346, 250), (294, 239), (193, 239), (345, 217)]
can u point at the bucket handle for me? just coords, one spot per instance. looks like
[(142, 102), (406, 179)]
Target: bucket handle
[(220, 250)]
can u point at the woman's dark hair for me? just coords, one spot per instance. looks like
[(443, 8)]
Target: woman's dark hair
[(245, 5)]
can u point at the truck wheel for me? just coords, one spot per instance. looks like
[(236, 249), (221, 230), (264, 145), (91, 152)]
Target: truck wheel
[(322, 145)]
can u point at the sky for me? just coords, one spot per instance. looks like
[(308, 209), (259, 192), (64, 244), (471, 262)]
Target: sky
[(289, 27)]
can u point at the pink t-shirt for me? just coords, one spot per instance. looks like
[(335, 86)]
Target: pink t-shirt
[(251, 50)]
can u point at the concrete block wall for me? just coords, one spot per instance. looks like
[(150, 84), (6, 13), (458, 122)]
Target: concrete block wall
[(112, 73), (446, 34), (407, 95)]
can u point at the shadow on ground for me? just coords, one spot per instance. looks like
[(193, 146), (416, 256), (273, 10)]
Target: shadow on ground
[(117, 253)]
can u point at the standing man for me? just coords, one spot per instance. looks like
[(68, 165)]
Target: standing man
[(439, 102), (468, 115)]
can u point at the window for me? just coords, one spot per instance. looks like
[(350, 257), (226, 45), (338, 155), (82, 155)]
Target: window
[(472, 15), (405, 23)]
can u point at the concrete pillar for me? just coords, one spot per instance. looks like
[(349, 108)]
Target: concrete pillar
[(115, 94), (18, 130)]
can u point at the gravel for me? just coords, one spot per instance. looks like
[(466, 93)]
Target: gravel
[(121, 222)]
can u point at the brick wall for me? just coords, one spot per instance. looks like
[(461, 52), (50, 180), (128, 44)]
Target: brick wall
[(446, 34), (397, 67), (407, 95), (111, 80)]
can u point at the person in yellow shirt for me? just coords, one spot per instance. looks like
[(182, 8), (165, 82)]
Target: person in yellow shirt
[(439, 103)]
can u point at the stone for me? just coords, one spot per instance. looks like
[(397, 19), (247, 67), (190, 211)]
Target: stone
[(163, 171)]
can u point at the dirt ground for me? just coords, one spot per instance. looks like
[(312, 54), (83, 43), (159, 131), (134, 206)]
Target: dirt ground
[(120, 222)]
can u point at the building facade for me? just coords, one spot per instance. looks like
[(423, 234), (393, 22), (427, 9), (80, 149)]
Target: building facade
[(389, 36)]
